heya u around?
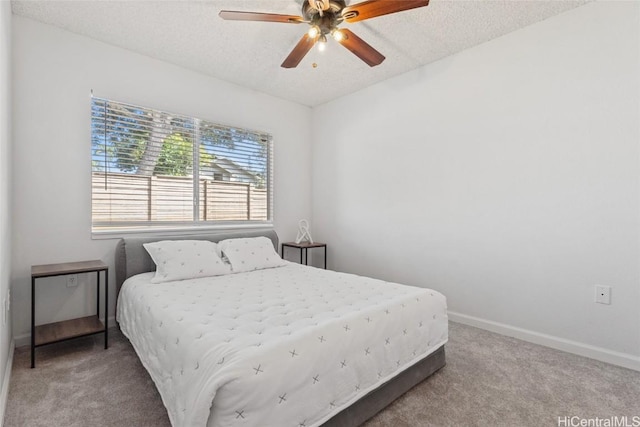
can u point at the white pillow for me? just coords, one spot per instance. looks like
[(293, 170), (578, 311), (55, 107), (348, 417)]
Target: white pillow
[(250, 254), (185, 259)]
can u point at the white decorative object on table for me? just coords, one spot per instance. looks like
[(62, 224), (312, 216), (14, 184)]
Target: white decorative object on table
[(303, 232)]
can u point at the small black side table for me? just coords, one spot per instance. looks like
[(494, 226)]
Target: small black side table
[(74, 328), (304, 247)]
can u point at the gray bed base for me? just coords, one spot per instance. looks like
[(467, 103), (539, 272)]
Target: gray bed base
[(131, 259)]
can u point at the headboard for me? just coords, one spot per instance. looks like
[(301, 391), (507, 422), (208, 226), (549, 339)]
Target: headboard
[(132, 258)]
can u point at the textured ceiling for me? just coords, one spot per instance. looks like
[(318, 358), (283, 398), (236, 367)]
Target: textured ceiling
[(190, 34)]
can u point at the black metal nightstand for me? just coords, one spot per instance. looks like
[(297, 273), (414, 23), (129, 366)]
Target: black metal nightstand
[(73, 328), (304, 247)]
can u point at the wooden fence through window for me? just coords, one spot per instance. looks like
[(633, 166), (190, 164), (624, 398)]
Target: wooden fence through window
[(119, 197)]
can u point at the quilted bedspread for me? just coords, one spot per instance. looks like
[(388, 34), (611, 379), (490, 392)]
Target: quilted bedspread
[(286, 346)]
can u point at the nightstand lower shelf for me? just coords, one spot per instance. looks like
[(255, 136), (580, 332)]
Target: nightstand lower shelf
[(68, 329)]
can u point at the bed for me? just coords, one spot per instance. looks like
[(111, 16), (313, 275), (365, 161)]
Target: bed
[(290, 345)]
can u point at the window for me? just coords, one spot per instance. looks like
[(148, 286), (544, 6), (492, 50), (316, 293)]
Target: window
[(154, 169)]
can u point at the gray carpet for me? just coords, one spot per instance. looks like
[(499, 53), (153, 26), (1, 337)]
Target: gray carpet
[(489, 380)]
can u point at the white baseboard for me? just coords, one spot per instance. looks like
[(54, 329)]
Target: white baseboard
[(602, 354), (25, 339), (4, 393)]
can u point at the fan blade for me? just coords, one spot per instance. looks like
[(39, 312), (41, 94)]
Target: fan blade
[(360, 48), (302, 48), (257, 16), (373, 8)]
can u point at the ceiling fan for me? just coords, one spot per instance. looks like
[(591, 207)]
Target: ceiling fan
[(324, 17)]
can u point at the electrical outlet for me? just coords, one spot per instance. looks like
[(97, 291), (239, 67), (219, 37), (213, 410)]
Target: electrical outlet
[(72, 280), (603, 294)]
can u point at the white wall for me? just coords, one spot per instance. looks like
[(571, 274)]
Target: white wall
[(505, 176), (54, 73), (5, 185)]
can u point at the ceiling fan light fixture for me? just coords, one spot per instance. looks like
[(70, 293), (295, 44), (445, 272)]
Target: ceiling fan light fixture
[(313, 32), (322, 43), (338, 35)]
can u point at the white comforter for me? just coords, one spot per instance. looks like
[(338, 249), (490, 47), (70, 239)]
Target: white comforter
[(287, 346)]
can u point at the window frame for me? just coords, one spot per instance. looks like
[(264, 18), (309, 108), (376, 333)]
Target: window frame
[(110, 229)]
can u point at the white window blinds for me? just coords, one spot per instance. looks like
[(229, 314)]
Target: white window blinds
[(153, 168)]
